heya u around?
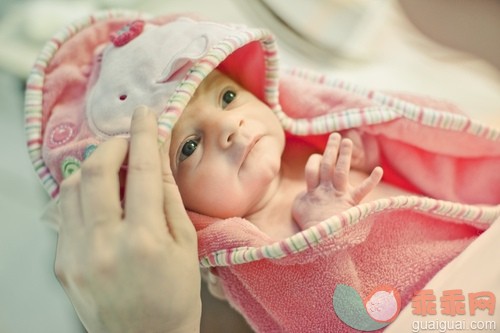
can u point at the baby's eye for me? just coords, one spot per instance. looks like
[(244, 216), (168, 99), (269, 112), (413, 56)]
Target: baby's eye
[(227, 98), (187, 149)]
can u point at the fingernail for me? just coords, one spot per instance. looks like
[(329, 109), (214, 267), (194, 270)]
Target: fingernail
[(335, 136), (140, 112)]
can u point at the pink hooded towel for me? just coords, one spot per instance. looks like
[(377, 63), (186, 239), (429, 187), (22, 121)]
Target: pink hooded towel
[(426, 147)]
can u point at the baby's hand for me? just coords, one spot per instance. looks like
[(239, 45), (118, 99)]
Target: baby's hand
[(328, 189)]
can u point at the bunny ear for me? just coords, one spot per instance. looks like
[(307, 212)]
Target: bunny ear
[(184, 59), (91, 75), (145, 69)]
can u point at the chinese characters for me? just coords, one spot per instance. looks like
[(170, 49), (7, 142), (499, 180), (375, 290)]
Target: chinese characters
[(452, 302)]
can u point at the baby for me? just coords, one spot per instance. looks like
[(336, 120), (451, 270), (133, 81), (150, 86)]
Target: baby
[(230, 149), (229, 158), (288, 210)]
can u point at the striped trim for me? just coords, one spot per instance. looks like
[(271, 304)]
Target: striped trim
[(480, 217), (216, 55), (34, 90), (388, 108)]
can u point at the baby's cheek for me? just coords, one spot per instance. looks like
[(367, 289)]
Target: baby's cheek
[(268, 161), (210, 198)]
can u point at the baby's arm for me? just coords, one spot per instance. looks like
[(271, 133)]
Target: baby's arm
[(328, 189)]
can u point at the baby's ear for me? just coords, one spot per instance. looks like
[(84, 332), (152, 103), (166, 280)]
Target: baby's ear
[(52, 215), (358, 160)]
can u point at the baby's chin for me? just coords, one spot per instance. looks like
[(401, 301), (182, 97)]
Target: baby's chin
[(222, 205), (243, 195), (243, 202), (222, 214)]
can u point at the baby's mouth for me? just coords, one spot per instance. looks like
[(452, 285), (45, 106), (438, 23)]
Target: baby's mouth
[(248, 149)]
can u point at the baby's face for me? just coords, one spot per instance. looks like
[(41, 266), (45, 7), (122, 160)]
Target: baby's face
[(226, 150)]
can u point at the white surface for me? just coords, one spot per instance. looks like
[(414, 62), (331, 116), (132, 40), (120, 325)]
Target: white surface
[(395, 57)]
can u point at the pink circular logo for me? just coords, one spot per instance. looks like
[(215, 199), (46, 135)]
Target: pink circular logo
[(383, 304), (61, 134)]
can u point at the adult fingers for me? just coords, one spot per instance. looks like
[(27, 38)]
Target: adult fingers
[(312, 171), (367, 185), (100, 186), (343, 165), (70, 205), (143, 190), (179, 224), (71, 224), (327, 165)]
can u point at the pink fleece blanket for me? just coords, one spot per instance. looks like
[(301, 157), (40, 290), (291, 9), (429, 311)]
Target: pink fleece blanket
[(425, 146)]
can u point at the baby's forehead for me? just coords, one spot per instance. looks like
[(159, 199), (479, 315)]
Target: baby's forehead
[(211, 84), (216, 80), (208, 91)]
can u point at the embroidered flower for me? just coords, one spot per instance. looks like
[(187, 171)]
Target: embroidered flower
[(69, 165), (127, 33)]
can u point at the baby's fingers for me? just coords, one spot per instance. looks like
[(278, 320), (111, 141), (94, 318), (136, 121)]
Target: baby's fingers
[(341, 175), (367, 185), (312, 171), (327, 165)]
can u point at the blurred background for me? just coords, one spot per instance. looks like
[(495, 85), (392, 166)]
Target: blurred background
[(448, 49)]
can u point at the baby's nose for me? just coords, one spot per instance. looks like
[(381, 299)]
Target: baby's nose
[(228, 128)]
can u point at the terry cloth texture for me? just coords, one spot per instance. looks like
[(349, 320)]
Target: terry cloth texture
[(84, 88), (425, 146)]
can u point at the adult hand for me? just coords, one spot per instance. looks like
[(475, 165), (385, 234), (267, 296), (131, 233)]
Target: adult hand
[(130, 269)]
